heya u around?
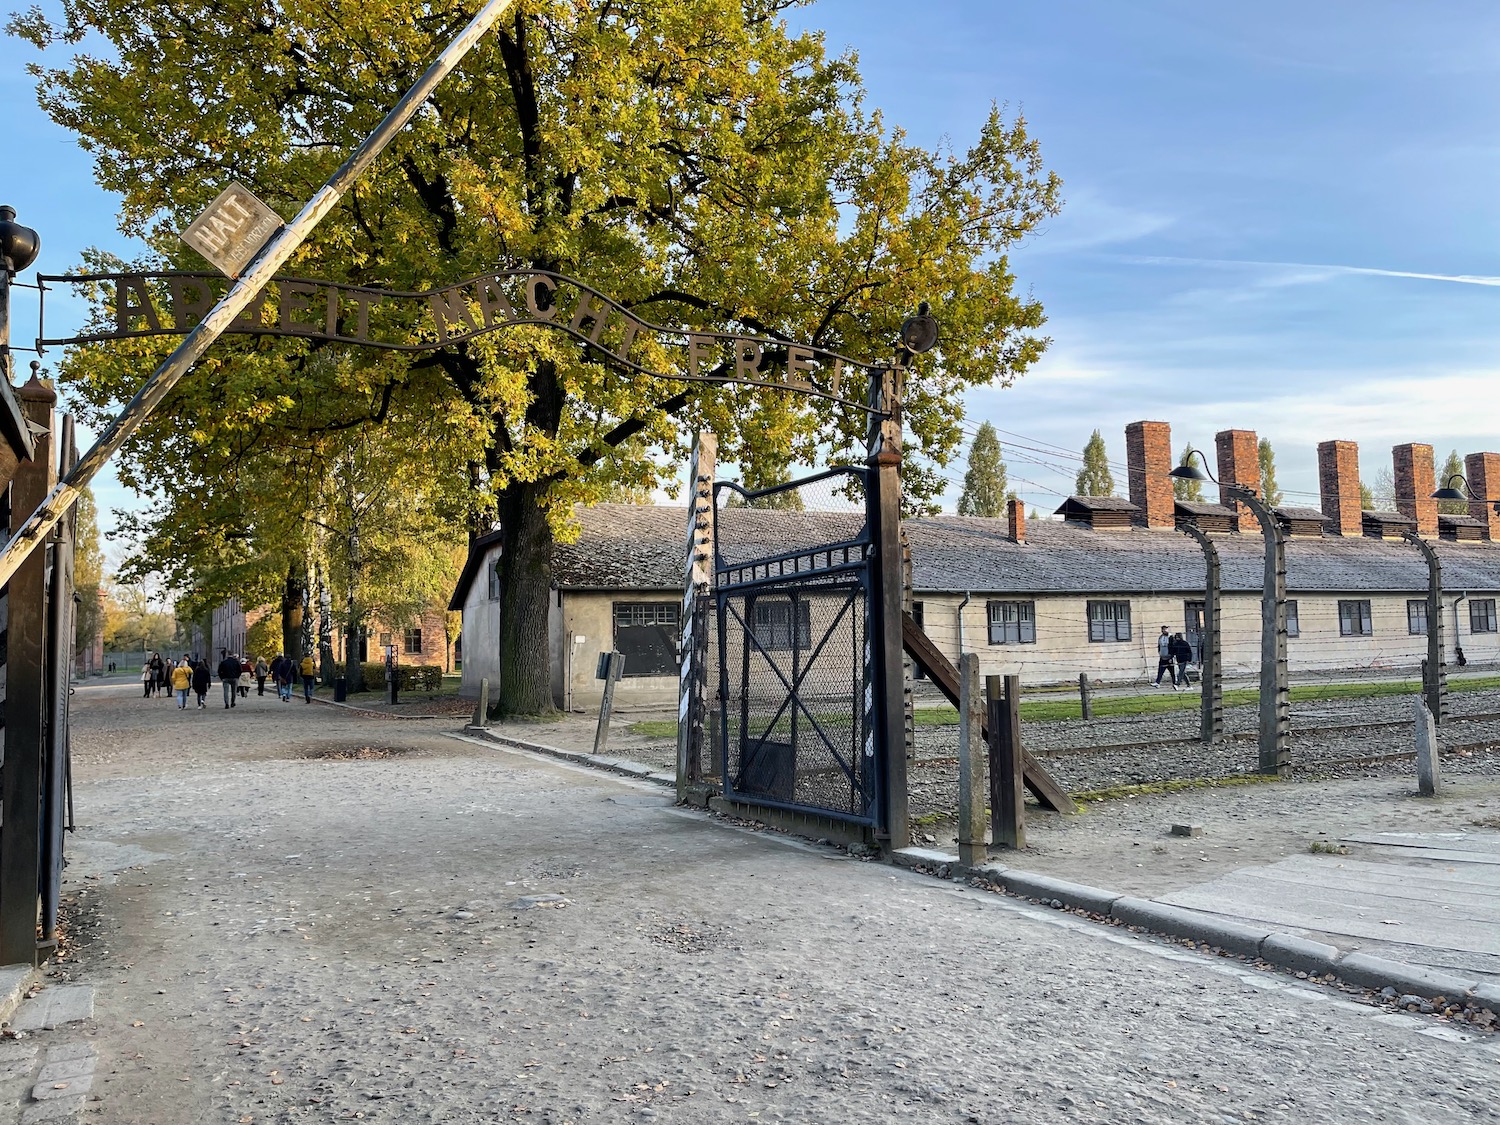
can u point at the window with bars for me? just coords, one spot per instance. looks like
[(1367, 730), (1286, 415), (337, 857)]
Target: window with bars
[(411, 641), (645, 633), (1416, 616), (1354, 619), (773, 624), (1109, 621), (1012, 623), (1293, 626), (1482, 615)]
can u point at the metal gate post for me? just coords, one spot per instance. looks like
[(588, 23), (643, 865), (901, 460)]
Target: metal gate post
[(883, 500), (25, 701), (59, 679)]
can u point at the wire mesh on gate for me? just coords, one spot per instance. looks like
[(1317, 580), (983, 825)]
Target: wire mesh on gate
[(789, 663)]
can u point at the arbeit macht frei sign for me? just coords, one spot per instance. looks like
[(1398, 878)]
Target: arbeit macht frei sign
[(172, 303)]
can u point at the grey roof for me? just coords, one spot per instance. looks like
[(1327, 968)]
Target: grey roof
[(1394, 518), (1098, 504), (1199, 508), (1459, 521), (641, 547), (1300, 514)]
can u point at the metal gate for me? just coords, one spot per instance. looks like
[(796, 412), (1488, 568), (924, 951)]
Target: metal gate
[(795, 726)]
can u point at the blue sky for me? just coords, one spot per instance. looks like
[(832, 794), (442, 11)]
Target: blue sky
[(1279, 217)]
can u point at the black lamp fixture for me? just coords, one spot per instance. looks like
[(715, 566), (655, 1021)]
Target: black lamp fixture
[(1461, 492), (1188, 471)]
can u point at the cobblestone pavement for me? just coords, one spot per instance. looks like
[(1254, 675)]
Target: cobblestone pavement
[(297, 914)]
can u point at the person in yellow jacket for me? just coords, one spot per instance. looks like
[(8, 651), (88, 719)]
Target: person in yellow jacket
[(309, 674), (182, 682)]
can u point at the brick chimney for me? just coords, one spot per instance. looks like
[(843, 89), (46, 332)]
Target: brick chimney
[(1015, 515), (1338, 485), (1239, 463), (1148, 460), (1415, 481), (1482, 471)]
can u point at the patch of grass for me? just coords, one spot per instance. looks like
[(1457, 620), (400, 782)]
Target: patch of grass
[(1176, 785), (655, 728)]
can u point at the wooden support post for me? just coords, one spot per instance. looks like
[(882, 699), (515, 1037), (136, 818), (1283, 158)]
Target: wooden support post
[(1085, 695), (1007, 779), (973, 760), (25, 701), (614, 665), (883, 510)]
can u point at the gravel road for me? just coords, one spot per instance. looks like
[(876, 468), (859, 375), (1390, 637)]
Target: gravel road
[(297, 914)]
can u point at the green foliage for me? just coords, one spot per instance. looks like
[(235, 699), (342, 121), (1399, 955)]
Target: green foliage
[(984, 491), (1452, 467), (409, 677), (88, 575), (692, 158), (1270, 491), (1366, 497), (1189, 490), (1094, 479)]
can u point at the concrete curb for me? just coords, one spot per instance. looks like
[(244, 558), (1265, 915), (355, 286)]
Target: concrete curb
[(14, 981), (638, 770), (1286, 951)]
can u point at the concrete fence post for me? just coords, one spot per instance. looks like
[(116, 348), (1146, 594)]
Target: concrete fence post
[(1428, 778)]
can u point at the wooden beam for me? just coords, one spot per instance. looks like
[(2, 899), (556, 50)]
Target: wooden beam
[(1044, 787)]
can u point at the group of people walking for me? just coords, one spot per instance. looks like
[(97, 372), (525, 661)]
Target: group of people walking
[(1173, 655), (191, 676)]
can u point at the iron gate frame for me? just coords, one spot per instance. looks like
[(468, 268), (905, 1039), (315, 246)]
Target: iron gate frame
[(849, 567)]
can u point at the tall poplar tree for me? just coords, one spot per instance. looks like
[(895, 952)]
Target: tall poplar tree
[(1453, 467), (693, 159), (1270, 491), (985, 486), (1094, 479), (1182, 488)]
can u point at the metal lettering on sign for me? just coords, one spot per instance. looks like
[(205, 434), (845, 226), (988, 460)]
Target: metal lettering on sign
[(234, 227)]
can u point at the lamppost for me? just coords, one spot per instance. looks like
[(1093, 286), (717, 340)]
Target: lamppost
[(1275, 693), (18, 249)]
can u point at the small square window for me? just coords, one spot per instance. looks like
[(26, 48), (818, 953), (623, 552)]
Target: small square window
[(1416, 617), (1012, 623), (1109, 621), (1482, 615), (1354, 619)]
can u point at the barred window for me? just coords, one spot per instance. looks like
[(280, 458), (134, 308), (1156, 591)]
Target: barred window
[(1354, 619), (1012, 623), (1482, 615), (634, 614), (645, 633), (1416, 616), (1109, 621), (773, 624)]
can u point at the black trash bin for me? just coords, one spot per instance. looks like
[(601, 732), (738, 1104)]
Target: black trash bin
[(340, 689)]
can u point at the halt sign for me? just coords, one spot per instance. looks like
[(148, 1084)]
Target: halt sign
[(233, 228)]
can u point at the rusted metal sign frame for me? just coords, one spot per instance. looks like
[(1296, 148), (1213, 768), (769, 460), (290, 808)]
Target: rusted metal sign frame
[(491, 302), (262, 269)]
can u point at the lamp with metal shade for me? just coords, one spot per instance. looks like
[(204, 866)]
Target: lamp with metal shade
[(1188, 471), (1462, 493)]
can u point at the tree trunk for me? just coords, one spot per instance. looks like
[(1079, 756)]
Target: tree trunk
[(354, 675), (325, 628), (525, 568), (292, 597)]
